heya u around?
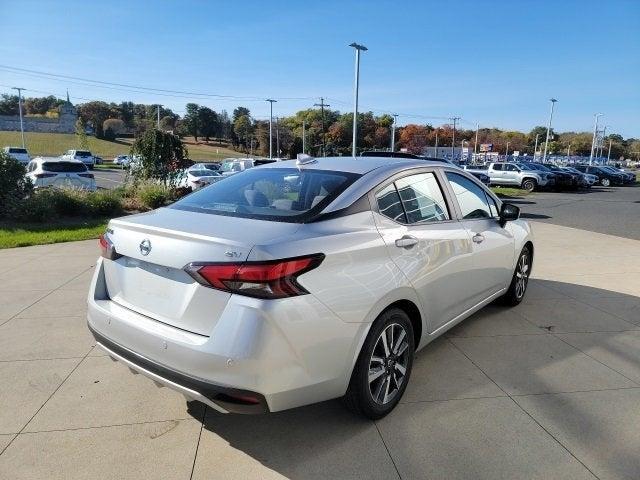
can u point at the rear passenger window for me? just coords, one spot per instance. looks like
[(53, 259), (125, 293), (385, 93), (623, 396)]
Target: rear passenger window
[(389, 204), (422, 198)]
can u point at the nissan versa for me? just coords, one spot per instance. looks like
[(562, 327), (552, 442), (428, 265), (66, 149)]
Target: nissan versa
[(301, 281)]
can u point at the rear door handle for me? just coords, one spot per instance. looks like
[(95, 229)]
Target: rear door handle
[(478, 238), (406, 241)]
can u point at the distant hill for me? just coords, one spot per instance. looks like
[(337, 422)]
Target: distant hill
[(54, 144)]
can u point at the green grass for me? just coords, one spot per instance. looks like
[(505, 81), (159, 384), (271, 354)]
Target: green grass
[(54, 144), (508, 192), (14, 234)]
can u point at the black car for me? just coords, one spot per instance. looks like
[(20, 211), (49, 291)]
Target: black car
[(577, 180), (562, 179), (606, 178), (627, 176)]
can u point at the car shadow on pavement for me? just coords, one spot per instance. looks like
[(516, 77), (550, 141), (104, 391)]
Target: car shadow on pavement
[(534, 216), (568, 371)]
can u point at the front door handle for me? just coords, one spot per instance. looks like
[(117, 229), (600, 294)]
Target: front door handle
[(406, 241), (478, 238)]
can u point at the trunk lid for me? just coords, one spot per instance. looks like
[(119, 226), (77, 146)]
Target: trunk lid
[(155, 246)]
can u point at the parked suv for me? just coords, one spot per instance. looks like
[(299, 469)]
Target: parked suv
[(251, 298), (84, 156), (518, 175), (18, 153)]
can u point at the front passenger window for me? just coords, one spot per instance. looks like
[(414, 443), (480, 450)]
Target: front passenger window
[(471, 198)]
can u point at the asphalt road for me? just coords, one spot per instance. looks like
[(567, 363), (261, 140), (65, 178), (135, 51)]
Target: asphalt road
[(108, 178), (613, 210)]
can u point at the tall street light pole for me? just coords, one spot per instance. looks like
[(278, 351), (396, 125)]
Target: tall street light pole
[(277, 139), (304, 144), (475, 145), (609, 154), (546, 142), (604, 135), (270, 100), (453, 138), (535, 149), (593, 140), (568, 153), (436, 152), (19, 89), (393, 132), (324, 134), (506, 152), (358, 49)]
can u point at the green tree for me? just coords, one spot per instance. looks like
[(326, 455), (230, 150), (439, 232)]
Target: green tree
[(95, 113), (243, 128), (208, 122), (81, 134), (191, 120), (163, 157), (8, 104)]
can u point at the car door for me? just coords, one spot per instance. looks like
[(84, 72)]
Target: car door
[(429, 245), (511, 174), (493, 245), (498, 174)]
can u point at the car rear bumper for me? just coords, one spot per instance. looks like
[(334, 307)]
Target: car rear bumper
[(260, 355)]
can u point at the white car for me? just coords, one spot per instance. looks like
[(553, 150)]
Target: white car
[(18, 153), (83, 156), (196, 178), (57, 172), (253, 299), (122, 160)]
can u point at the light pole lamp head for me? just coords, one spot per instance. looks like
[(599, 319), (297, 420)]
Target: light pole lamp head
[(359, 47), (553, 100)]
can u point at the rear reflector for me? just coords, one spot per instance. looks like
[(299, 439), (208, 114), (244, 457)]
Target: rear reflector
[(107, 249), (272, 279)]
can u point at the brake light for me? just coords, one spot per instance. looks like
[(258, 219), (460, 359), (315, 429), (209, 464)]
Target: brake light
[(107, 249), (45, 175), (272, 279), (86, 175)]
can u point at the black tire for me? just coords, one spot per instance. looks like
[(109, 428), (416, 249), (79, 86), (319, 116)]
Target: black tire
[(360, 398), (520, 279), (529, 184)]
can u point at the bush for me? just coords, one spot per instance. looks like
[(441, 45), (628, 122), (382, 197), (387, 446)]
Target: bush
[(153, 195), (39, 207), (14, 186), (68, 202), (104, 203)]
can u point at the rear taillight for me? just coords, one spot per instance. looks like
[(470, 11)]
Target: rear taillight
[(45, 175), (107, 249), (86, 175), (273, 279)]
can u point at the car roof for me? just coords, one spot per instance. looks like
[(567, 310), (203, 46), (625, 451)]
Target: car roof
[(56, 160), (358, 165)]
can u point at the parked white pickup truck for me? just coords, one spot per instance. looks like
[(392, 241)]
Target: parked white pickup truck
[(516, 175), (83, 156)]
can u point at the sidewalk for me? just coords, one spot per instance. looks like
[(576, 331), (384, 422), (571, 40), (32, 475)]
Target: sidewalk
[(548, 390)]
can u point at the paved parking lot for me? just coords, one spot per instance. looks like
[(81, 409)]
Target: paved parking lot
[(110, 178), (549, 390)]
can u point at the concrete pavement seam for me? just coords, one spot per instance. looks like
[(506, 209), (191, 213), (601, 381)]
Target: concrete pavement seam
[(195, 455), (375, 424), (523, 410)]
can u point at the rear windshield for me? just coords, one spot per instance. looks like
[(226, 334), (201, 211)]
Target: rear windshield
[(203, 173), (63, 167), (82, 153), (276, 194), (17, 150)]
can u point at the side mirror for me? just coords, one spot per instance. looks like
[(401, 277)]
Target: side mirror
[(508, 212)]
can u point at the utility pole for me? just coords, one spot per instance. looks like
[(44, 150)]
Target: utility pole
[(324, 133), (19, 89), (158, 124), (277, 139), (475, 145), (568, 153), (609, 154), (304, 145), (436, 154), (535, 149), (453, 139), (506, 152), (270, 100), (546, 142), (358, 49), (393, 132), (593, 140)]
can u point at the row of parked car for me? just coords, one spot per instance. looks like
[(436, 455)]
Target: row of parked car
[(532, 176)]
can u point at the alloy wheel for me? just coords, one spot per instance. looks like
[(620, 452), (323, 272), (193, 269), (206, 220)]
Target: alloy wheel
[(388, 364), (522, 275)]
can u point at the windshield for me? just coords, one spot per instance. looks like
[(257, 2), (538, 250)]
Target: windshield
[(230, 167), (203, 173), (571, 169), (278, 194), (82, 153), (17, 150), (63, 167)]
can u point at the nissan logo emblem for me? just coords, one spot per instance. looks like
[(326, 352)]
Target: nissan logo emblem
[(145, 247)]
